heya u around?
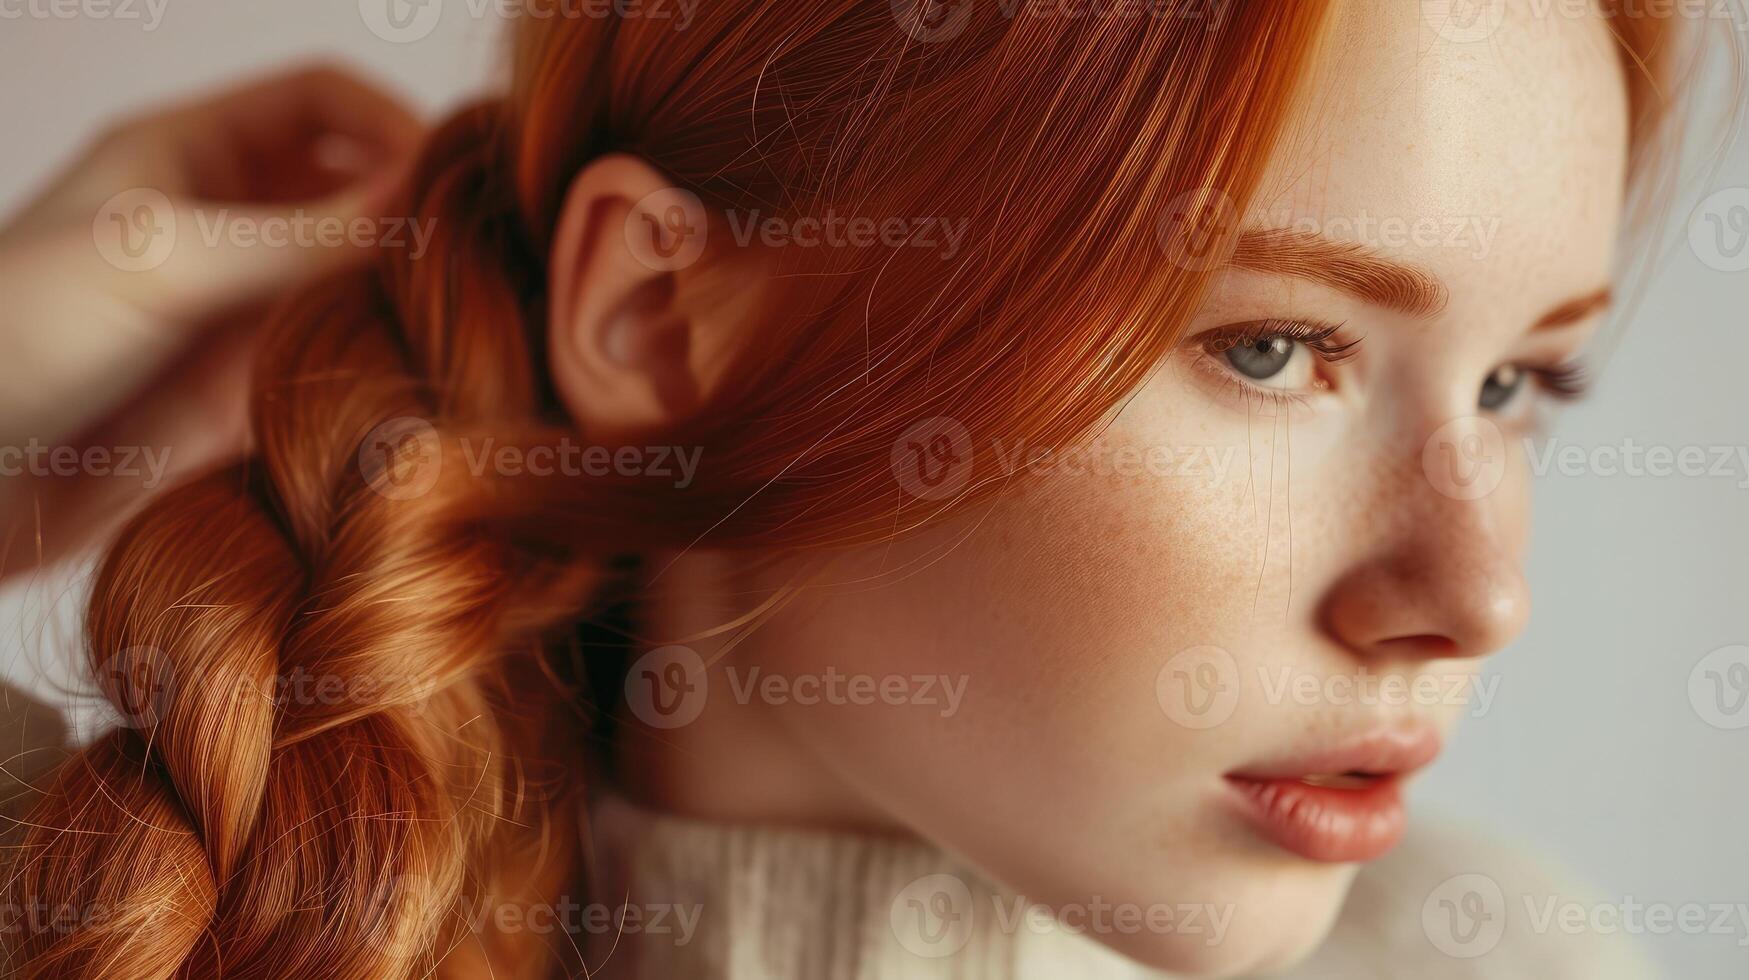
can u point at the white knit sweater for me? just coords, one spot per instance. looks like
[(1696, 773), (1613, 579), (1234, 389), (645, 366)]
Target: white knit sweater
[(752, 902)]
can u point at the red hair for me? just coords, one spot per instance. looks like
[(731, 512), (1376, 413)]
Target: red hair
[(235, 829)]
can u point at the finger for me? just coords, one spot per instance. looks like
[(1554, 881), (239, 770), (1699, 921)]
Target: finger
[(151, 273), (205, 257), (284, 137), (318, 98)]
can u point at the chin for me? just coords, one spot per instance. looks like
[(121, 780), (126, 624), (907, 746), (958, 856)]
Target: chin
[(1242, 954), (1276, 921)]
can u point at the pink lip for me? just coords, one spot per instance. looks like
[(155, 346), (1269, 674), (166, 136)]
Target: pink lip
[(1337, 824)]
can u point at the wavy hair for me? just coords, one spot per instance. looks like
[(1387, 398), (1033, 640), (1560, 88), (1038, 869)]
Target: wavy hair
[(237, 825)]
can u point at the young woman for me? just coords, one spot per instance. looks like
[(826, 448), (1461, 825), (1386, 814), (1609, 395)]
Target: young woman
[(855, 489)]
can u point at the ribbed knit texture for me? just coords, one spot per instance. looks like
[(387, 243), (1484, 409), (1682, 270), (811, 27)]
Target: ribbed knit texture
[(781, 903), (774, 903), (786, 904)]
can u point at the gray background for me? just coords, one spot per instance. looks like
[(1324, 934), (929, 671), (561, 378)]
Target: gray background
[(1593, 753)]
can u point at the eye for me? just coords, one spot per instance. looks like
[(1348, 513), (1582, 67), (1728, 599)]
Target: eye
[(1504, 387), (1276, 355), (1499, 388), (1266, 358)]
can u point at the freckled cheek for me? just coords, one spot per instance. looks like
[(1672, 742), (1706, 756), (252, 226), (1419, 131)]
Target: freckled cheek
[(1088, 582), (1159, 550), (1091, 574)]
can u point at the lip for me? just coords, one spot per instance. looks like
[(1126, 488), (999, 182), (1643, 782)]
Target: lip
[(1356, 819)]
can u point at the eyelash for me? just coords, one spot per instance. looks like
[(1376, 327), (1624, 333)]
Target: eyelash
[(1567, 381), (1315, 335), (1320, 337)]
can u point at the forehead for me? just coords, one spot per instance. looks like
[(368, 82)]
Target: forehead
[(1493, 158)]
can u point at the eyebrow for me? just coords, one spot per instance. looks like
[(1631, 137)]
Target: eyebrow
[(1574, 310), (1361, 271), (1348, 266)]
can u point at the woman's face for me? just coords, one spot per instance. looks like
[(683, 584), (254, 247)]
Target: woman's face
[(1283, 559)]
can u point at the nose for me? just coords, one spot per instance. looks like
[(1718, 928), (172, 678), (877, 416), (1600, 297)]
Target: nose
[(1437, 578)]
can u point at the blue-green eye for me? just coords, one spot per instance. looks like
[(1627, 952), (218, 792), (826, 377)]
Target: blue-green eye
[(1499, 388), (1262, 358), (1277, 354)]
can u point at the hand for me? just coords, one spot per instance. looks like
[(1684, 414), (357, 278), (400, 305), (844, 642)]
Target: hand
[(131, 290)]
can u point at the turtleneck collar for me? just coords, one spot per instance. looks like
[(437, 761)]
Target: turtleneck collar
[(725, 901)]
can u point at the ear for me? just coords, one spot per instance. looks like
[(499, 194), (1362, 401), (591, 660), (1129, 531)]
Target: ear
[(639, 325)]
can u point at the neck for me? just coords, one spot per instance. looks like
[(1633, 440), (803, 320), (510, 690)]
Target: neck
[(738, 758), (713, 900)]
